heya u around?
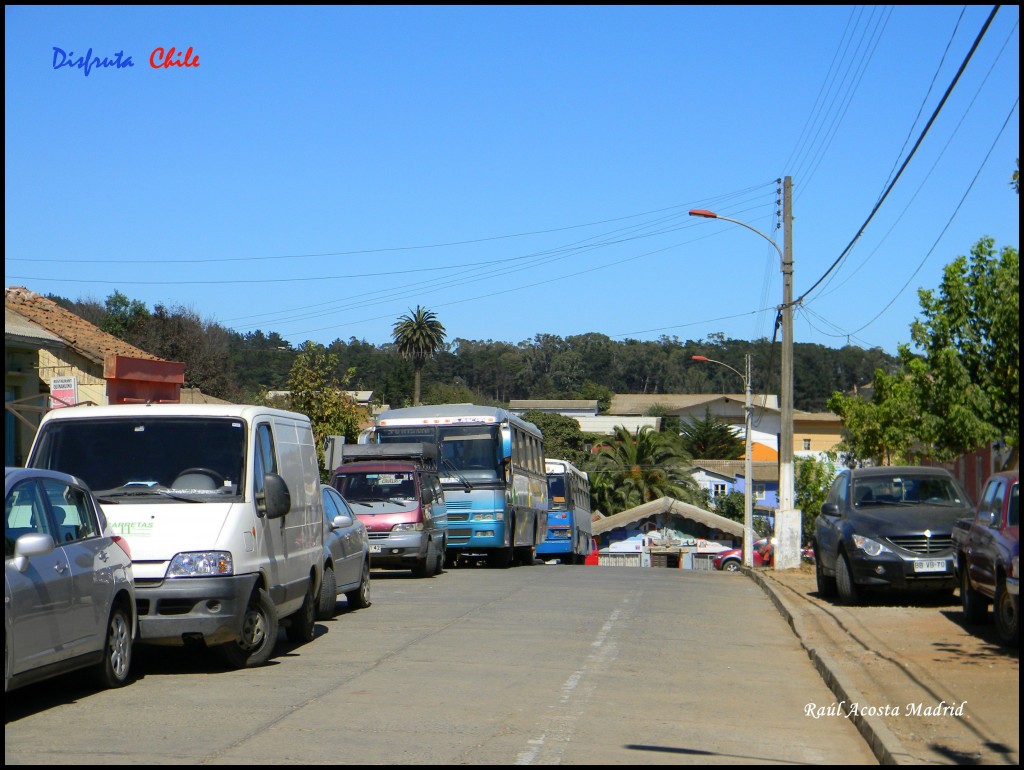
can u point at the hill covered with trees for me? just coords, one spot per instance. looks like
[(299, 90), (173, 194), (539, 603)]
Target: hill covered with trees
[(238, 367)]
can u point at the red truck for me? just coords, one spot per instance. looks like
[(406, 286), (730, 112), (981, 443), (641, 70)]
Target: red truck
[(987, 550)]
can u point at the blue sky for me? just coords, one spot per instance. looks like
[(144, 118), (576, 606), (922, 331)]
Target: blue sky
[(517, 170)]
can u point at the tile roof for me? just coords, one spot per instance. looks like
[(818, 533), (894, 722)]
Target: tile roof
[(639, 403), (86, 339), (589, 405), (672, 506), (16, 326), (762, 470)]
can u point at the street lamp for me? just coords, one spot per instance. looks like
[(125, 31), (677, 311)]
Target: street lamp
[(748, 508), (787, 520)]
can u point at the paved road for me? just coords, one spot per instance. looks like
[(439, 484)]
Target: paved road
[(534, 665)]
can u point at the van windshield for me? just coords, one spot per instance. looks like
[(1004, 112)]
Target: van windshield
[(194, 458)]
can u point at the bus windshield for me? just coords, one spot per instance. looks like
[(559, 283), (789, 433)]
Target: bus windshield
[(471, 450)]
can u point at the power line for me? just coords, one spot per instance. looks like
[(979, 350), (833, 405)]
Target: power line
[(906, 162), (948, 222)]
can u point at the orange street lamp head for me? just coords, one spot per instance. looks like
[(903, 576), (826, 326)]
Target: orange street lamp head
[(703, 213)]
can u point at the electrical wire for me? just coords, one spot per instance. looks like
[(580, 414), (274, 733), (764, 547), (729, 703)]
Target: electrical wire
[(906, 162)]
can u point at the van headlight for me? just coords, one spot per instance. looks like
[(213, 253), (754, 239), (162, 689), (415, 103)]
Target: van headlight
[(869, 546), (416, 526), (201, 564)]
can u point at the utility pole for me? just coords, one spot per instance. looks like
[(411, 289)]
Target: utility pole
[(788, 520)]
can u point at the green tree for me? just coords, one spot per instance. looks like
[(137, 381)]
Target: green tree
[(813, 477), (670, 423), (731, 506), (123, 315), (418, 336), (967, 377), (317, 393), (179, 334), (711, 439), (632, 469), (563, 438), (882, 430), (590, 391)]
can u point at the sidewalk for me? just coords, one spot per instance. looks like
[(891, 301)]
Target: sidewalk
[(927, 689)]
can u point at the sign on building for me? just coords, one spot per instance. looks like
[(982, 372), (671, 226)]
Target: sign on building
[(63, 392)]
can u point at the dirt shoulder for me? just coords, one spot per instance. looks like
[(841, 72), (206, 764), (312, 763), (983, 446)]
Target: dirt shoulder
[(921, 685)]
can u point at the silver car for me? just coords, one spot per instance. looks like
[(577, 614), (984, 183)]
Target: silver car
[(69, 597), (346, 556)]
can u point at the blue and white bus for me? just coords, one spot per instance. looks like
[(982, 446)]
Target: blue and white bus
[(492, 469), (570, 536)]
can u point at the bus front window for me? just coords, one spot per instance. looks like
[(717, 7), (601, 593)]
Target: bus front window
[(473, 452)]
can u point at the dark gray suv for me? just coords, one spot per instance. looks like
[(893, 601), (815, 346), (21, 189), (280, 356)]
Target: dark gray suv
[(888, 527)]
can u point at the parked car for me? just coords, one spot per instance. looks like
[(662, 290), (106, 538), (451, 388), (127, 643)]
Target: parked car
[(346, 556), (988, 556), (888, 527), (732, 560), (69, 596)]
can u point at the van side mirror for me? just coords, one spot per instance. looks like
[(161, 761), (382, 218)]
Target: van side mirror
[(277, 500), (829, 509)]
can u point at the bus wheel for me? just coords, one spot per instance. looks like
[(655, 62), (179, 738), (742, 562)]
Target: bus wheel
[(525, 555), (500, 558)]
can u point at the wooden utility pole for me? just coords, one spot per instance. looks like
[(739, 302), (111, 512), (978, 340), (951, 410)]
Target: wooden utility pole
[(788, 520)]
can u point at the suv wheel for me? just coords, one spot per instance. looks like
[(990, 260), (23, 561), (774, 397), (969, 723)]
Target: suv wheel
[(849, 592), (826, 584)]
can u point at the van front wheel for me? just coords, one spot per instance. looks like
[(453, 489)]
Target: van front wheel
[(258, 636)]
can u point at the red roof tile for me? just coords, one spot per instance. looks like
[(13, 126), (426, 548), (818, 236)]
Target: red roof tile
[(88, 340)]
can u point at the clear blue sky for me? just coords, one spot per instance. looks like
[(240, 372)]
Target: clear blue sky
[(517, 170)]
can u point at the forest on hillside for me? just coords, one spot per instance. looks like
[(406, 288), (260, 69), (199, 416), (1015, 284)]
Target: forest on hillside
[(239, 367)]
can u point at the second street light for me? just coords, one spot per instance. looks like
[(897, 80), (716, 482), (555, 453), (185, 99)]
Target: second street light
[(748, 481), (787, 518)]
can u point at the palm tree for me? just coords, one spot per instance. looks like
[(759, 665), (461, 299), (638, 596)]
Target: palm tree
[(711, 439), (418, 336), (632, 469)]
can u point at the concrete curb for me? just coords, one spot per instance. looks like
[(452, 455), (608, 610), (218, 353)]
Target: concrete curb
[(886, 747)]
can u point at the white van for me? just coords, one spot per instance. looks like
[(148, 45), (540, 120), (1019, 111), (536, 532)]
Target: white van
[(221, 507)]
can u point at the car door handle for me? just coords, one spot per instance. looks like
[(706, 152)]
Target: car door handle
[(102, 556), (60, 567)]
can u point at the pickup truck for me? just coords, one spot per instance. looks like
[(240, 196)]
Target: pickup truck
[(987, 548)]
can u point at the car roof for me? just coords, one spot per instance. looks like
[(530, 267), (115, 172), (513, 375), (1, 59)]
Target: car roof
[(13, 475), (899, 470), (383, 465)]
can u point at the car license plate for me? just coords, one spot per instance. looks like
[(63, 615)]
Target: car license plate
[(374, 548), (930, 565)]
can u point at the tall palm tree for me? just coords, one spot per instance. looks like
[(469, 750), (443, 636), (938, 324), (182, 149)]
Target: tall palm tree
[(632, 469), (418, 336)]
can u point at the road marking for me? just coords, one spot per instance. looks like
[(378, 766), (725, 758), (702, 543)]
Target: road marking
[(575, 694)]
